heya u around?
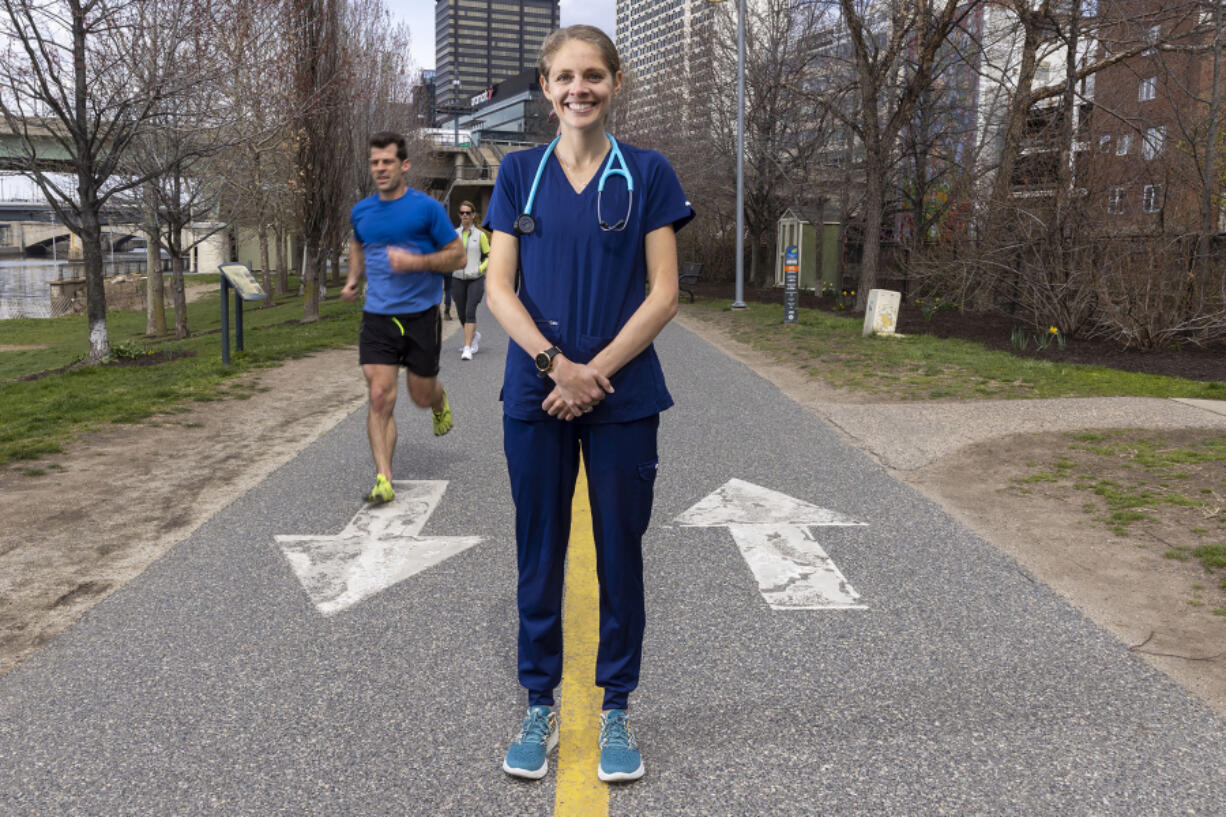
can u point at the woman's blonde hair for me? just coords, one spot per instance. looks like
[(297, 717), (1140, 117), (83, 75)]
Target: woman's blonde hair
[(588, 34)]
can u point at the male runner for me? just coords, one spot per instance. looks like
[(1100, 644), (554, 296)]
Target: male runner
[(402, 242)]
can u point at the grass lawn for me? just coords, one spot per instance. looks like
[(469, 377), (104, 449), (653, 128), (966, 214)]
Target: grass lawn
[(38, 416), (923, 367)]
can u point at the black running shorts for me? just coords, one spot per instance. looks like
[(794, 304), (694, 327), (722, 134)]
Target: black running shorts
[(413, 341)]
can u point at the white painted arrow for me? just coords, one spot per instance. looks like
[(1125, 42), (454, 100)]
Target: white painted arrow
[(772, 531), (379, 547)]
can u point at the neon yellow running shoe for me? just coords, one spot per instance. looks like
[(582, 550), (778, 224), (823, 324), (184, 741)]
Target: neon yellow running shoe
[(382, 492), (442, 419)]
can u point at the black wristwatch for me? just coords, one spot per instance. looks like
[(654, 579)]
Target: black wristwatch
[(544, 361)]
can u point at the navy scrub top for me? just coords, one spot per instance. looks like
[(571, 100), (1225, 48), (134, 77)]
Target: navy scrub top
[(580, 283)]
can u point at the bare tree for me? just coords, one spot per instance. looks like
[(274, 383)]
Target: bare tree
[(785, 133), (315, 37), (894, 44), (69, 90), (260, 98), (191, 187)]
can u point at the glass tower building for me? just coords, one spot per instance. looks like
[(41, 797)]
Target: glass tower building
[(479, 43)]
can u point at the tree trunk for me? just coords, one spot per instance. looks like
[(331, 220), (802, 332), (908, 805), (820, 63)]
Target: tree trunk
[(155, 305), (874, 206), (95, 290), (336, 263), (178, 293), (265, 271), (310, 289), (282, 265), (1210, 178), (1015, 123), (844, 215), (819, 245), (155, 287)]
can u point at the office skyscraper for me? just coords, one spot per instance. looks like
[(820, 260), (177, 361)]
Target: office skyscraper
[(478, 43), (656, 35)]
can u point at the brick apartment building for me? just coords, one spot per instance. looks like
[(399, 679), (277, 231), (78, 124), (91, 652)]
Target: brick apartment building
[(1144, 168)]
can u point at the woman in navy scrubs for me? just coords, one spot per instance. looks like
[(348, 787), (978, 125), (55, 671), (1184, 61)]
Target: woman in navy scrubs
[(591, 223)]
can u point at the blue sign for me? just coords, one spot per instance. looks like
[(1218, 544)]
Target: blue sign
[(791, 285)]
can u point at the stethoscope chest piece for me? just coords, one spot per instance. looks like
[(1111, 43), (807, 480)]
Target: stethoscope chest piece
[(525, 224)]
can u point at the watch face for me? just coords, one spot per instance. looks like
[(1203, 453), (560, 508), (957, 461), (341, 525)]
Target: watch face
[(544, 361)]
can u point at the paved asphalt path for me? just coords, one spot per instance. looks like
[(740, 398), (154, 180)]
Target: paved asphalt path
[(211, 685)]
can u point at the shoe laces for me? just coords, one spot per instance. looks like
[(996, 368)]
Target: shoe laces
[(615, 731), (536, 727)]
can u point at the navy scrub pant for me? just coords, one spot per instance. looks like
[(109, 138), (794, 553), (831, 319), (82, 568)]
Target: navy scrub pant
[(543, 461)]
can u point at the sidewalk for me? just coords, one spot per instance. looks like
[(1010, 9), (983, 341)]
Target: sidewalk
[(908, 436)]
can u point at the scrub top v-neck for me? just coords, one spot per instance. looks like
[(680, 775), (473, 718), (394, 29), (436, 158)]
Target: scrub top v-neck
[(580, 283)]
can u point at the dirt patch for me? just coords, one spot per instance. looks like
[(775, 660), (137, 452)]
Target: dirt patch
[(11, 348), (1123, 583), (1159, 607), (136, 490)]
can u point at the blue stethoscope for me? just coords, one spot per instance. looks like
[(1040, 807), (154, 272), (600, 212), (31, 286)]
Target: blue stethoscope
[(525, 222)]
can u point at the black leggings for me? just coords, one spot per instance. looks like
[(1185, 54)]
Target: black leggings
[(467, 294)]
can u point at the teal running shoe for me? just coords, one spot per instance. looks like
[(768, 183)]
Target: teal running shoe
[(528, 755), (620, 759)]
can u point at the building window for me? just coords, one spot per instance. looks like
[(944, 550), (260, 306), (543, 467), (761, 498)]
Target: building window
[(1151, 199), (1151, 146), (1148, 89), (1124, 144), (1115, 201), (1152, 37), (1104, 144)]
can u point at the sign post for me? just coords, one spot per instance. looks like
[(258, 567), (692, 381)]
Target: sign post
[(246, 288), (791, 281)]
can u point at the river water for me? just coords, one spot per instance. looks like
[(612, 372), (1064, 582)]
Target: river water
[(24, 290)]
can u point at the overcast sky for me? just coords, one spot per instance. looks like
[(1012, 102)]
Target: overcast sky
[(419, 14)]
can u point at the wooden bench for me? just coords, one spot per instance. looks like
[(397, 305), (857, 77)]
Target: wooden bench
[(690, 273)]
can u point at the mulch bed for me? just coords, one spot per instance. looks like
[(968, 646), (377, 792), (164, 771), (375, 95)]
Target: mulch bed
[(151, 359), (996, 332)]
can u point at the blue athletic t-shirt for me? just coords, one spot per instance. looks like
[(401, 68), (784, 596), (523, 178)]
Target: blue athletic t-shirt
[(580, 283), (414, 222)]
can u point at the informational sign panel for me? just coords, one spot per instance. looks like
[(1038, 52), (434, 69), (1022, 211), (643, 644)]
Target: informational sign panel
[(246, 288), (244, 283), (791, 281)]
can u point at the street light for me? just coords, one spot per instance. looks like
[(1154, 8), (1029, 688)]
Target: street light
[(739, 303)]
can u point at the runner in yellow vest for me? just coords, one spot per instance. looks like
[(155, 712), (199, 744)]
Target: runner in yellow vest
[(468, 283)]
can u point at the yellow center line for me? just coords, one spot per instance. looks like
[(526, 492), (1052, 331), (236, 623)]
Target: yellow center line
[(579, 793)]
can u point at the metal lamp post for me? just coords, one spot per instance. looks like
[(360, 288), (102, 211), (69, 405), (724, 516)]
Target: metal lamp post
[(739, 303)]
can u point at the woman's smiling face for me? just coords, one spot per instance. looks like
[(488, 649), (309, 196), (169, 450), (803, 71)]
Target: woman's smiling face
[(580, 85)]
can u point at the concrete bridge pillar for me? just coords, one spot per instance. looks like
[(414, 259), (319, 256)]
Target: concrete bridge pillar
[(75, 251)]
